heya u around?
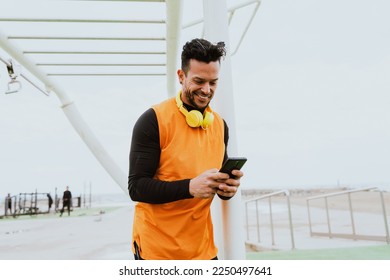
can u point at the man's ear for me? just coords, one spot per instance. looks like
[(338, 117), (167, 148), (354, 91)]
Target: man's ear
[(180, 75)]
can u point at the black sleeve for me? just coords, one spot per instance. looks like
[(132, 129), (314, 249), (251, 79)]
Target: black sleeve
[(144, 161), (226, 140)]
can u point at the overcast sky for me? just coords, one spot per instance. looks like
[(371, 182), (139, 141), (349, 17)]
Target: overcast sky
[(311, 84)]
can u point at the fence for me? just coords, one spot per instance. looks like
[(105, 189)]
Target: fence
[(271, 225), (33, 204), (352, 213)]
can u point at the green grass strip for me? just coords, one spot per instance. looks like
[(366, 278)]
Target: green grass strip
[(381, 252)]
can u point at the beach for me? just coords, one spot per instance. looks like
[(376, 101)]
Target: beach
[(100, 232), (103, 231)]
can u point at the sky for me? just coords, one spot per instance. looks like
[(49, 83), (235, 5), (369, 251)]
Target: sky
[(311, 92)]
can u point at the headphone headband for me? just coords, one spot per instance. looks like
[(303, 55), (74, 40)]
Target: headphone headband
[(194, 118)]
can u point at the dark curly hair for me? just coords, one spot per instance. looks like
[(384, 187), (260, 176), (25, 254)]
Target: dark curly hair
[(201, 50)]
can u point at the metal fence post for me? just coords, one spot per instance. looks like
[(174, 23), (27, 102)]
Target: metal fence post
[(385, 217), (351, 213)]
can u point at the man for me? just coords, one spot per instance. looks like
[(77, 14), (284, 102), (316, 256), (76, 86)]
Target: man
[(8, 203), (177, 149), (50, 201), (66, 201)]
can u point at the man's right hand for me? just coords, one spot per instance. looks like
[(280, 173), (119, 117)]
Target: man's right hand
[(206, 184)]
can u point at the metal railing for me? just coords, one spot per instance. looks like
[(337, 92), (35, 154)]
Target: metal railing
[(271, 221), (354, 235)]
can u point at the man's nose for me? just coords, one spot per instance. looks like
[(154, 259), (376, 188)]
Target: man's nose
[(206, 88)]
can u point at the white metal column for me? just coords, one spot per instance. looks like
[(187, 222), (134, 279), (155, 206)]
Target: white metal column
[(174, 15), (216, 29)]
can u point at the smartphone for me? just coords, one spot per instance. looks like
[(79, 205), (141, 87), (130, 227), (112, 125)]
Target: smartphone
[(232, 163)]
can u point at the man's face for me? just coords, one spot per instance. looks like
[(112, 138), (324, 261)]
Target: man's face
[(200, 83)]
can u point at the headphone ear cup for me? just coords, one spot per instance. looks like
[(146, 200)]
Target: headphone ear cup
[(194, 118), (207, 119)]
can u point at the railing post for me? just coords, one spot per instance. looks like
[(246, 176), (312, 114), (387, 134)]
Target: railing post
[(290, 220), (257, 222), (309, 216), (247, 221), (351, 213), (385, 217), (328, 217), (271, 221)]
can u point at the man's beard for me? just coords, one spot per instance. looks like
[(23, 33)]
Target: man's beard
[(191, 99)]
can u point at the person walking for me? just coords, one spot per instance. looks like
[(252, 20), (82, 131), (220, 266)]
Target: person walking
[(50, 201), (8, 204), (66, 201)]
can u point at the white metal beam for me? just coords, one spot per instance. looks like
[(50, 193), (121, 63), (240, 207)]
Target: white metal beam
[(86, 38), (100, 64), (118, 0), (92, 52), (81, 20), (105, 74)]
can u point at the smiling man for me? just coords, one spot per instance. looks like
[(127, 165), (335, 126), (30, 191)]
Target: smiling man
[(176, 151)]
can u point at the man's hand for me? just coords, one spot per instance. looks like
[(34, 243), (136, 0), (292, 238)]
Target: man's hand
[(210, 182), (206, 184), (230, 186)]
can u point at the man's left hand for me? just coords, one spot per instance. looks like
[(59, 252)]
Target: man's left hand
[(229, 187)]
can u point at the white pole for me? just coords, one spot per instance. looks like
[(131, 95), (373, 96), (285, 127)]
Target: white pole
[(72, 114), (216, 29), (174, 12)]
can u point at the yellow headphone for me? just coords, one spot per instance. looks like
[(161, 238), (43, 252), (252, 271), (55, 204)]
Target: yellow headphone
[(194, 118)]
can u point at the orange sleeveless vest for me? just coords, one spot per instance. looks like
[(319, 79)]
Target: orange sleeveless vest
[(180, 230)]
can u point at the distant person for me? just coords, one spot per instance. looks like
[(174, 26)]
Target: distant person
[(50, 201), (8, 203), (66, 201), (20, 204)]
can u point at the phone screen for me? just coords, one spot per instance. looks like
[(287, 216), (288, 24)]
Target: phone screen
[(232, 164)]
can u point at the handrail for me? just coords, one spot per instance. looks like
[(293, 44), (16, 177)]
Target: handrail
[(269, 196), (340, 193), (354, 235), (286, 192)]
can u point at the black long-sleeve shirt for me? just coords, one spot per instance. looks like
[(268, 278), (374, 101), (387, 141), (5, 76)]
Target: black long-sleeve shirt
[(144, 161)]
